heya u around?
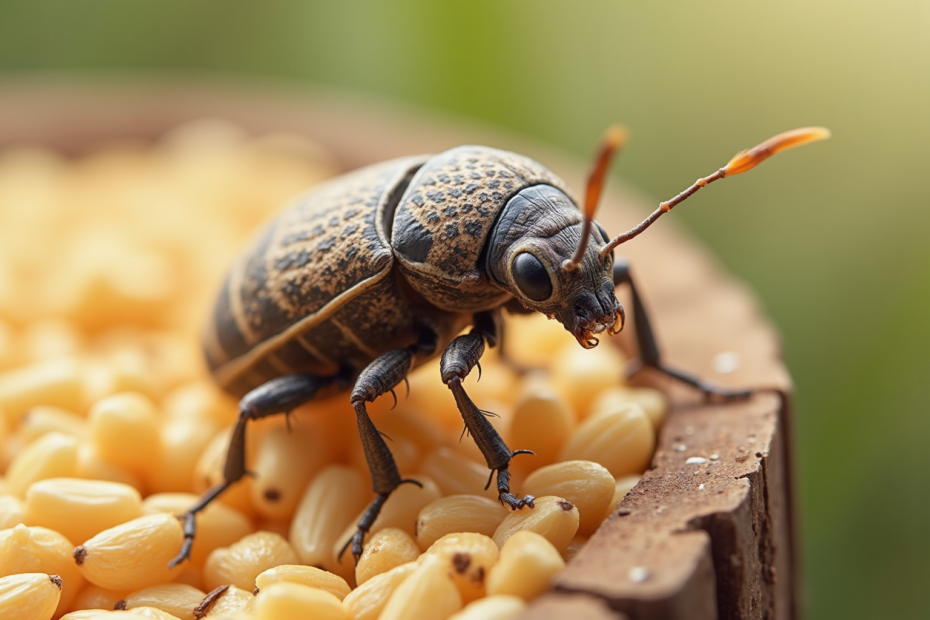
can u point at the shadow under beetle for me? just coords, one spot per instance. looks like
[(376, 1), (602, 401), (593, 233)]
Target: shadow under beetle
[(374, 272)]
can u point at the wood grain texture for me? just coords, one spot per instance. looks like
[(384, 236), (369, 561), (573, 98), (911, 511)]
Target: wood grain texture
[(725, 549)]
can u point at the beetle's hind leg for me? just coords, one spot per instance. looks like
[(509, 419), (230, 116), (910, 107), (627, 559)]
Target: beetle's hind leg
[(458, 359), (649, 349), (279, 395)]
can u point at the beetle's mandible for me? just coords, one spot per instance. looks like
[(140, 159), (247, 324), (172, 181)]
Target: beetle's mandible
[(371, 274)]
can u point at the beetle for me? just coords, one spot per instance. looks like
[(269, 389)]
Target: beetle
[(373, 273)]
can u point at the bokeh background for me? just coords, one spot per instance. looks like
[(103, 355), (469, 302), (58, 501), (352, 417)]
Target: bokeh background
[(834, 237)]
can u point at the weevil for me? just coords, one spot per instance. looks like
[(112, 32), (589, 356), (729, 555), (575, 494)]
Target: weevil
[(371, 274)]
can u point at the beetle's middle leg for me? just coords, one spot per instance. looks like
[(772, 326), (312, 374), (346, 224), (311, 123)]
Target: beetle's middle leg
[(458, 359), (380, 377), (649, 349), (280, 395)]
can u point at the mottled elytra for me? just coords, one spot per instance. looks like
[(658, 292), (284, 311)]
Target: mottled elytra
[(371, 274)]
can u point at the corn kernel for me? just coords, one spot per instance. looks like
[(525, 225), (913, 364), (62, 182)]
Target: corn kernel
[(80, 509), (95, 597), (458, 513), (177, 599), (85, 614), (92, 466), (50, 339), (40, 550), (587, 485), (152, 613), (29, 596), (527, 564), (243, 561), (466, 558), (387, 549), (285, 462), (182, 442), (653, 402), (367, 601), (218, 525), (497, 607), (124, 428), (306, 575), (225, 601), (328, 505), (622, 440), (51, 456), (11, 511), (200, 399), (293, 601), (581, 374), (427, 594), (58, 383), (133, 555), (41, 420), (554, 518), (541, 422), (456, 475)]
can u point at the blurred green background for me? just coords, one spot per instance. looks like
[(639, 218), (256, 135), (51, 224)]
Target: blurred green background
[(833, 237)]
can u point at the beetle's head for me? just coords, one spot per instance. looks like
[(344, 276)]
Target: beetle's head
[(538, 232)]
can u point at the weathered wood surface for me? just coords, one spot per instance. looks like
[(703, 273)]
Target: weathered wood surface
[(704, 540)]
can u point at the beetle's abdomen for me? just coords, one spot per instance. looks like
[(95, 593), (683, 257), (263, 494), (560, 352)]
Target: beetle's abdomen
[(443, 222), (282, 306)]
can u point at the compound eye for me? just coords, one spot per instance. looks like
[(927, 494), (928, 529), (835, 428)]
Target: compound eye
[(531, 277)]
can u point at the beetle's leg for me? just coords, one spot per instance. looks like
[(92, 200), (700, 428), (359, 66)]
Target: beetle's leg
[(279, 395), (380, 377), (649, 349), (458, 359)]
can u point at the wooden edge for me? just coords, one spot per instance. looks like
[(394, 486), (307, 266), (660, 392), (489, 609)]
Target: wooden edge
[(734, 536)]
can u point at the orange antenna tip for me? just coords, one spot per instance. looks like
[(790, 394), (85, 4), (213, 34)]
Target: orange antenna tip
[(750, 158), (617, 136)]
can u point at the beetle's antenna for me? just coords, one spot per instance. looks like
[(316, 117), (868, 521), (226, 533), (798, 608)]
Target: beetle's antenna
[(614, 139), (743, 161)]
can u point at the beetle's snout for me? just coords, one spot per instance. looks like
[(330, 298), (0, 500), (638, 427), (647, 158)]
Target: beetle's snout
[(594, 316)]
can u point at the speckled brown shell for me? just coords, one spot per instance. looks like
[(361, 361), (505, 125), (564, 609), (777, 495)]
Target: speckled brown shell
[(314, 291), (442, 224)]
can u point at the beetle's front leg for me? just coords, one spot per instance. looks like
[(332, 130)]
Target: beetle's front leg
[(458, 359), (649, 349)]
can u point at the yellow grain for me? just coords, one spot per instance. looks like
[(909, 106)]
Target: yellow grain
[(200, 399), (306, 575), (182, 442), (209, 472), (426, 594), (86, 614), (293, 601), (29, 596), (133, 555), (285, 462), (80, 509), (526, 566), (92, 466), (177, 599), (40, 550), (466, 558), (554, 518), (457, 475), (574, 547), (124, 428), (329, 504), (243, 561), (11, 511), (41, 420), (580, 375), (95, 597), (497, 607), (51, 456), (542, 422), (152, 613), (587, 485), (230, 600), (367, 601), (653, 402), (383, 551), (58, 383), (218, 525), (458, 513), (620, 439)]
